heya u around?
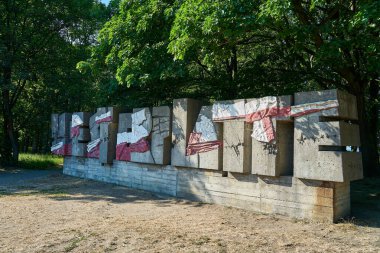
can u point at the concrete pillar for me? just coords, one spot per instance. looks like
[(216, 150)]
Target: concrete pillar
[(275, 158), (107, 148), (107, 118), (64, 125), (139, 127), (237, 146), (61, 144), (212, 160), (161, 134), (94, 128), (80, 133), (125, 123), (185, 114)]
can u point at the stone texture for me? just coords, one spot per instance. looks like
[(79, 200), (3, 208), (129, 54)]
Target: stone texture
[(125, 122), (347, 103), (212, 160), (107, 148), (94, 128), (237, 146), (85, 117), (185, 114), (275, 158), (296, 198), (320, 139), (161, 134), (145, 157), (79, 149), (234, 109), (64, 125), (115, 111)]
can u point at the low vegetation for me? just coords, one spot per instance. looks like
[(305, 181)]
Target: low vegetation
[(40, 161)]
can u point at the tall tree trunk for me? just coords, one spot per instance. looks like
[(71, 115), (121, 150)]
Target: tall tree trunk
[(10, 144), (374, 90), (368, 131), (231, 69)]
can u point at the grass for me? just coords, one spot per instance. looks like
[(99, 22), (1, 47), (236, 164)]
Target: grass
[(39, 161), (74, 243)]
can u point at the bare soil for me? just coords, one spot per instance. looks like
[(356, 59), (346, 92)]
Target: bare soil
[(56, 213)]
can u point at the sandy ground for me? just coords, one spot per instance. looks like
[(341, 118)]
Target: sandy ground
[(55, 213)]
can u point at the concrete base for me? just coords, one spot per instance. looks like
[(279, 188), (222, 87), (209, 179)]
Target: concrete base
[(286, 195)]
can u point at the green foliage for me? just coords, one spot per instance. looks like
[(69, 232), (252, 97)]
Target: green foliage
[(158, 50), (40, 45), (39, 161), (152, 51)]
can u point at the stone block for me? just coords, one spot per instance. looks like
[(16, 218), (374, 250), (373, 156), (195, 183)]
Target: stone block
[(322, 139), (64, 125), (125, 122), (107, 130), (237, 146), (108, 114), (107, 148), (213, 159), (228, 109), (79, 149), (94, 128), (161, 134), (54, 123), (185, 114), (275, 158), (138, 127), (347, 103), (83, 117)]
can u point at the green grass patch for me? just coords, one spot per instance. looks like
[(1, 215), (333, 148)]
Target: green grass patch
[(39, 161)]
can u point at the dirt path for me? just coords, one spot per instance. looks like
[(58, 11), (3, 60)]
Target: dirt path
[(56, 213)]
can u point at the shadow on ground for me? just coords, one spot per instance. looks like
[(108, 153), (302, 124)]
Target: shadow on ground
[(365, 202), (53, 184), (365, 194)]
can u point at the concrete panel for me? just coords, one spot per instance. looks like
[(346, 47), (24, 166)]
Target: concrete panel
[(125, 122), (84, 116), (79, 149), (212, 160), (94, 128), (347, 103), (145, 157), (303, 199), (185, 114), (64, 125), (107, 148), (113, 112), (320, 140), (228, 109), (275, 158), (237, 146), (161, 134)]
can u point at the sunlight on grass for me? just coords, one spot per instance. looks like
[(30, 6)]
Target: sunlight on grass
[(40, 161)]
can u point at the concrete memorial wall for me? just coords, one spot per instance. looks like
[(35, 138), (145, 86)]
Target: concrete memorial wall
[(291, 155)]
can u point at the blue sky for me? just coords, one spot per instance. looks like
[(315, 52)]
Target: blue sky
[(105, 1)]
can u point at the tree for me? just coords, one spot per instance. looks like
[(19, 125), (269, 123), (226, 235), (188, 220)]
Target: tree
[(34, 37), (323, 44), (222, 49)]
